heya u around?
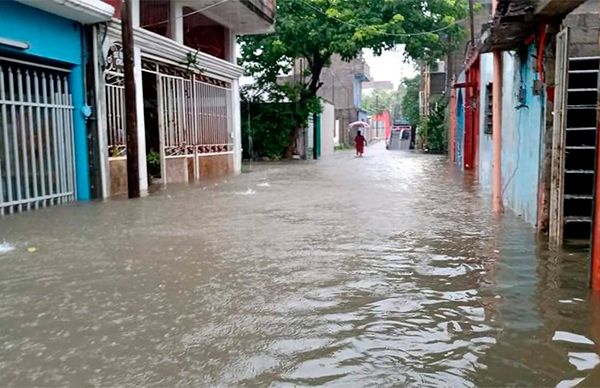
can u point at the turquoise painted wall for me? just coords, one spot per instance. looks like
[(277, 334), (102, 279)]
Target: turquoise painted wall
[(460, 127), (522, 132), (460, 121), (52, 39)]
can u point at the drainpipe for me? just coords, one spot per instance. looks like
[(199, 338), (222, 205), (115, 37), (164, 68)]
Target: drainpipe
[(497, 128), (595, 273), (595, 270)]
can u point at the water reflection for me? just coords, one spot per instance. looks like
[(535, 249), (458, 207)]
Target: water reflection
[(388, 270)]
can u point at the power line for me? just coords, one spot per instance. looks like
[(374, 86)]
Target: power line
[(383, 33), (187, 14)]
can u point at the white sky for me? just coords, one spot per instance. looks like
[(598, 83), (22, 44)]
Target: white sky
[(390, 66)]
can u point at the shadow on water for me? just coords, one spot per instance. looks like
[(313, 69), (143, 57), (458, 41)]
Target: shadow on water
[(388, 270)]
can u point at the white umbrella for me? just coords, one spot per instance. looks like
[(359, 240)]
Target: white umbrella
[(359, 124)]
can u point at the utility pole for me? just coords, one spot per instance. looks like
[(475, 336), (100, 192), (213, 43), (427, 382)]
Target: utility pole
[(471, 17), (133, 179)]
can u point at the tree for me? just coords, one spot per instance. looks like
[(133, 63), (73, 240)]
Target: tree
[(379, 101), (382, 100), (317, 29), (410, 101)]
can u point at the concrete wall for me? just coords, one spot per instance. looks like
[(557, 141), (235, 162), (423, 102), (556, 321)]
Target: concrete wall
[(327, 130), (584, 23), (523, 125), (485, 141), (53, 38)]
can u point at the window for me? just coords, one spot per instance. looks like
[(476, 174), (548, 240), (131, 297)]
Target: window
[(489, 109)]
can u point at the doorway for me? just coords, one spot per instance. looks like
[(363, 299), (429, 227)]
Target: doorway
[(151, 124)]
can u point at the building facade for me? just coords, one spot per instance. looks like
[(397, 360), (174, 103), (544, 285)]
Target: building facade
[(342, 86), (524, 115), (44, 107), (187, 90)]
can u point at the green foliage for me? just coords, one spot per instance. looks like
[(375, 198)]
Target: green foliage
[(153, 162), (317, 29), (433, 128), (266, 128), (410, 101), (192, 62), (381, 100)]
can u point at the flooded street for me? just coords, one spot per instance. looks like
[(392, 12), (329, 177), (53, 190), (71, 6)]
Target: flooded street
[(384, 271)]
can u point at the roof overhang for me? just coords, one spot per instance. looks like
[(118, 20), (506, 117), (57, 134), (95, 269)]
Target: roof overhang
[(166, 49), (515, 20), (554, 8), (83, 11), (244, 17)]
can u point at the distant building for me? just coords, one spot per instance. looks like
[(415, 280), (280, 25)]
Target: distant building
[(378, 85), (342, 87)]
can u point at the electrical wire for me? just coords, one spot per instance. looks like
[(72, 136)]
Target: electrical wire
[(319, 10), (518, 160), (187, 14)]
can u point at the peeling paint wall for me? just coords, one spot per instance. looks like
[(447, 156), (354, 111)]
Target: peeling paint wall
[(523, 123), (523, 127)]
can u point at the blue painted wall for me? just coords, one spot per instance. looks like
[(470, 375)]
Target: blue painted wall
[(522, 132), (460, 121), (52, 38), (357, 92), (460, 127)]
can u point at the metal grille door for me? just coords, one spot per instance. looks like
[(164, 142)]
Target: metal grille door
[(36, 137)]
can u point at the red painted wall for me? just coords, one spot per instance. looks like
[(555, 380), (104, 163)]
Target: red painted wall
[(472, 105), (204, 34), (199, 31), (116, 5), (387, 122)]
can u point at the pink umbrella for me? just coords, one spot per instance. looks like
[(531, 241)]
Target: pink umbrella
[(359, 124)]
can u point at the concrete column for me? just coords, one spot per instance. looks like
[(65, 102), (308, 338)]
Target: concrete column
[(82, 172), (141, 130), (497, 128), (236, 123), (98, 51), (135, 13), (176, 22), (497, 133), (231, 40)]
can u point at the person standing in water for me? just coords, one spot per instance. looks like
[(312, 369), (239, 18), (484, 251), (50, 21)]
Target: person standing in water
[(360, 142)]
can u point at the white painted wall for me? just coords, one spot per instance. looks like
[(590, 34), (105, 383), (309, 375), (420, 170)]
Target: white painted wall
[(328, 128), (141, 129), (236, 123)]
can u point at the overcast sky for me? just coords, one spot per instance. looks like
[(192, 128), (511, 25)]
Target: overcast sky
[(390, 66)]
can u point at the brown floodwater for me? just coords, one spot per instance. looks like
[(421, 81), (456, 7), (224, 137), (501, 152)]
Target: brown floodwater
[(385, 271)]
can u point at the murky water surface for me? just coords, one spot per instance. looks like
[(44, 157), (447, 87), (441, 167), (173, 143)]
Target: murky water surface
[(383, 271)]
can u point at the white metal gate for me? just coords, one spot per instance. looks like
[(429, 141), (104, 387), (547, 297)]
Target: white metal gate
[(194, 115), (115, 114), (36, 136)]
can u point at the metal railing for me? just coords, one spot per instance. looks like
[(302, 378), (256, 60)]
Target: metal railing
[(195, 115), (115, 101), (36, 136)]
